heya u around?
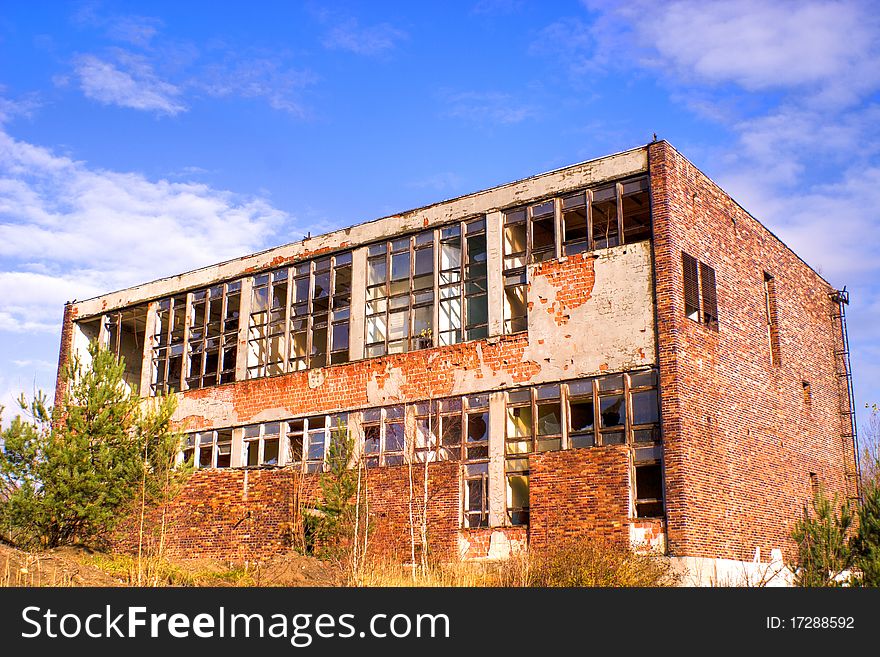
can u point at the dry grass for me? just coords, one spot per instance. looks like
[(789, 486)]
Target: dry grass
[(392, 573)]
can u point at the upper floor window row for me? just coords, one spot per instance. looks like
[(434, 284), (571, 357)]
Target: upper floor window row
[(427, 289), (583, 221), (299, 317)]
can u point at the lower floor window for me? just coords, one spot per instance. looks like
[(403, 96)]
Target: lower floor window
[(476, 494), (208, 449)]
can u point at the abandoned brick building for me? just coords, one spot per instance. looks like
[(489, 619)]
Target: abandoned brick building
[(614, 348)]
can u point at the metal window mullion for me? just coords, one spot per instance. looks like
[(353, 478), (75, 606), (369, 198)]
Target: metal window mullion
[(597, 414), (627, 403), (187, 320), (387, 295), (411, 295), (619, 193), (285, 354), (435, 312), (331, 307), (588, 199), (557, 226)]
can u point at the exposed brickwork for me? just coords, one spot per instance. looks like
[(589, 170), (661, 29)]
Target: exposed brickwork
[(572, 278), (739, 439), (579, 493), (426, 373), (249, 514), (64, 350), (389, 501), (479, 540)]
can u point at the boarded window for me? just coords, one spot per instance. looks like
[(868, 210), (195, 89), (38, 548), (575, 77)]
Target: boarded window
[(709, 296), (691, 287)]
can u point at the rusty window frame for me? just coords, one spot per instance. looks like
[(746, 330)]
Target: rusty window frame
[(217, 443), (213, 337), (643, 503), (169, 345), (312, 322), (302, 430), (255, 437)]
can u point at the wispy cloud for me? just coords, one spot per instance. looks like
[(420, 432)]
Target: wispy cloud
[(497, 7), (487, 107), (257, 77), (129, 82), (376, 39), (71, 231), (155, 74), (444, 181), (9, 109)]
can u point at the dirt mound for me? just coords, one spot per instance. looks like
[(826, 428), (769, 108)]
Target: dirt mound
[(292, 569), (59, 567)]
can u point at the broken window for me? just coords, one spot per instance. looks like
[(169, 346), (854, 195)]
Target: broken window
[(700, 296), (771, 319), (426, 439), (168, 345), (581, 414), (401, 279), (574, 223), (124, 334), (636, 209), (476, 494), (300, 317), (603, 211), (518, 444), (212, 343), (612, 410), (307, 439), (648, 490), (208, 449), (267, 324), (384, 436), (261, 444), (474, 435), (548, 426)]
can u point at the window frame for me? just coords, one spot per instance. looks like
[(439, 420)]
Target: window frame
[(700, 295), (196, 447), (382, 300), (318, 353)]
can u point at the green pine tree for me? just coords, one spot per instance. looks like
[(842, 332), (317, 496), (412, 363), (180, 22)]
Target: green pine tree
[(72, 472), (823, 550), (866, 542)]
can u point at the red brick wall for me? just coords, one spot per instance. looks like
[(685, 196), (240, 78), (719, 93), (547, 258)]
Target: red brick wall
[(739, 439), (248, 514), (428, 373), (579, 493), (64, 350)]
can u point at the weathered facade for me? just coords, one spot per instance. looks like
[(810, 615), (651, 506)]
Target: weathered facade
[(615, 348)]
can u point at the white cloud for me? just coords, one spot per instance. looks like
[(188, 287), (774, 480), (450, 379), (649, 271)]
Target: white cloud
[(367, 40), (132, 83), (70, 231), (487, 107), (828, 47)]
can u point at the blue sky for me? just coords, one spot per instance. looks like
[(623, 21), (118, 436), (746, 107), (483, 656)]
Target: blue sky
[(139, 140)]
